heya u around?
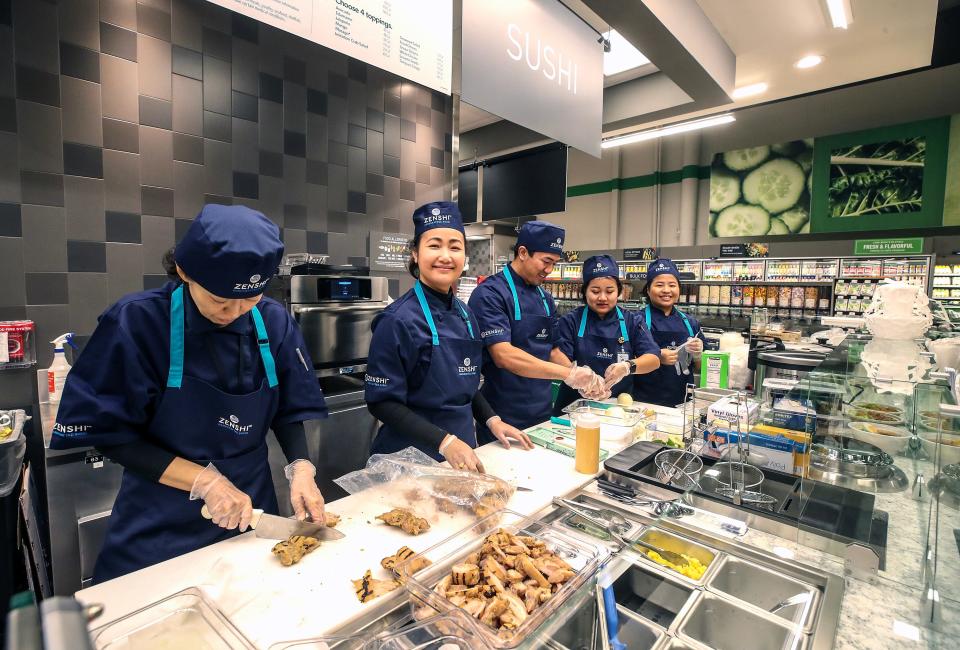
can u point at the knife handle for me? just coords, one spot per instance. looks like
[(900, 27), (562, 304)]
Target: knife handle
[(254, 517)]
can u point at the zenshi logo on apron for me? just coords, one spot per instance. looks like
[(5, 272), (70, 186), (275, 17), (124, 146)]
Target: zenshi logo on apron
[(467, 368), (233, 424), (603, 354), (543, 334)]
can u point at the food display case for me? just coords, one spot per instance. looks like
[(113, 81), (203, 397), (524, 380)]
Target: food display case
[(946, 286), (859, 277)]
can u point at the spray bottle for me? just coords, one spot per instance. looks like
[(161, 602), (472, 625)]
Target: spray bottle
[(57, 372)]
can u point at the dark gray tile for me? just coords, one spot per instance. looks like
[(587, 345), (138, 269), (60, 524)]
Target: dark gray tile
[(294, 70), (156, 162), (246, 149), (271, 164), (436, 157), (76, 61), (408, 130), (337, 118), (316, 242), (448, 142), (295, 216), (156, 112), (218, 177), (337, 153), (153, 22), (88, 298), (271, 88), (337, 85), (375, 184), (188, 63), (79, 23), (119, 86), (245, 28), (124, 270), (84, 208), (12, 293), (391, 104), (374, 152), (294, 144), (188, 194), (356, 136), (245, 67), (38, 86), (294, 107), (86, 256), (80, 115), (316, 172), (122, 227), (117, 41), (337, 221), (217, 44), (10, 224), (46, 288), (156, 201), (40, 148), (154, 281), (154, 67), (374, 120), (216, 126), (35, 34), (187, 148), (187, 24), (246, 185), (121, 175), (391, 136), (357, 70), (294, 240), (423, 115), (356, 202), (9, 169), (119, 12), (438, 101), (180, 228), (271, 126), (216, 85), (408, 190), (391, 166), (187, 105), (316, 101), (42, 189), (120, 135), (336, 188), (44, 239), (356, 169), (245, 106), (423, 174), (8, 114), (391, 225), (82, 160)]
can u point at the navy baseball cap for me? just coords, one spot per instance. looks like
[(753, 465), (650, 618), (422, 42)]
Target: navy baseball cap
[(440, 214), (541, 236), (230, 250), (662, 267), (599, 266)]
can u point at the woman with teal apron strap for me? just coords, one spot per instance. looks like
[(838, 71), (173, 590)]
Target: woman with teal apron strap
[(613, 348), (670, 328), (423, 369)]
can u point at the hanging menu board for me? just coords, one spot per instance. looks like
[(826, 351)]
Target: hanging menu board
[(410, 39)]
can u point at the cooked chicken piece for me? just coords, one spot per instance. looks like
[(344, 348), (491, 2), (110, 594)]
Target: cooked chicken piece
[(331, 519), (445, 505), (516, 613), (495, 582), (514, 576), (291, 550), (518, 588), (466, 574), (491, 566), (510, 561), (442, 586), (497, 606), (403, 553), (473, 558), (492, 548), (488, 505), (560, 576), (367, 588), (405, 521), (525, 564), (458, 600), (531, 598), (474, 606)]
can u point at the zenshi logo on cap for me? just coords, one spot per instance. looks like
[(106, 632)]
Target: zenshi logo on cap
[(256, 282), (436, 216), (558, 244)]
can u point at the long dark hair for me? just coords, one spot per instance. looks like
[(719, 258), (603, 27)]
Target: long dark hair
[(170, 264), (412, 263)]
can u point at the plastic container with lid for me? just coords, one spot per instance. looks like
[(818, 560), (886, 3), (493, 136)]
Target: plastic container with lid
[(452, 630)]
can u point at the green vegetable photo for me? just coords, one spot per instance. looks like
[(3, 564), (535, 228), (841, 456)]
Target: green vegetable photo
[(877, 178)]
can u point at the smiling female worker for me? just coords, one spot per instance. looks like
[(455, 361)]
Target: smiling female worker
[(670, 328), (517, 324), (179, 386), (602, 336), (423, 369)]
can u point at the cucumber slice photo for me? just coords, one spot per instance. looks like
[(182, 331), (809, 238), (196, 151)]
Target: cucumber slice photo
[(740, 160), (775, 185), (712, 223), (724, 190), (795, 218), (806, 229), (777, 227), (739, 220)]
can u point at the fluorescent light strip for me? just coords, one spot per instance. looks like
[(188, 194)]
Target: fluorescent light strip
[(840, 13), (662, 131), (749, 91)]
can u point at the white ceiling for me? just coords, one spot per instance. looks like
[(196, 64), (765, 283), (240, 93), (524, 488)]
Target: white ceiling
[(472, 117)]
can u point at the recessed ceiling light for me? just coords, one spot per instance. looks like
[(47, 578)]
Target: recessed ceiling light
[(748, 91), (809, 61), (840, 13), (622, 56)]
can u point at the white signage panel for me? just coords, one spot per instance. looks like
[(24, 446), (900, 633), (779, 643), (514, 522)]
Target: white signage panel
[(536, 63), (410, 38)]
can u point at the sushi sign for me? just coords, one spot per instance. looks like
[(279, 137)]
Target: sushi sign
[(905, 246)]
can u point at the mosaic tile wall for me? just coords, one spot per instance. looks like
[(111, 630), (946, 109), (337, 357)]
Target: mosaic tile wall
[(120, 119)]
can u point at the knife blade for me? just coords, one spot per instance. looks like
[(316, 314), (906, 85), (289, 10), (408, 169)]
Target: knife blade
[(269, 526)]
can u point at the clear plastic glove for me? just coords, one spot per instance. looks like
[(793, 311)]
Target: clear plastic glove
[(460, 455), (580, 377), (229, 507), (305, 496), (506, 432), (615, 373), (597, 390), (695, 346)]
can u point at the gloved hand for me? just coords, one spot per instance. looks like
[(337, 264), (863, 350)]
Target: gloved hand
[(615, 373), (229, 507), (695, 347), (505, 432), (460, 455), (597, 390), (305, 496), (580, 377)]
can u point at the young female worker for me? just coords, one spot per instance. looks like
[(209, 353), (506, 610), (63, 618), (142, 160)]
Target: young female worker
[(423, 370), (602, 336), (179, 386), (670, 328)]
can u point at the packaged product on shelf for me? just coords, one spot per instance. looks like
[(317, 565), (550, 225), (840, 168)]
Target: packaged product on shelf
[(715, 294), (725, 294), (760, 296), (841, 303), (748, 296), (796, 297), (824, 304), (704, 294), (693, 294), (736, 295), (810, 298), (784, 296)]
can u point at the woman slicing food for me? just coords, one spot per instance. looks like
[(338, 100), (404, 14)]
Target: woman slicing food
[(613, 343), (180, 384), (671, 330), (423, 370)]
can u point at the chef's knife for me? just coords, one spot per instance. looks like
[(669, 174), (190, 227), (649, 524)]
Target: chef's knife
[(274, 527)]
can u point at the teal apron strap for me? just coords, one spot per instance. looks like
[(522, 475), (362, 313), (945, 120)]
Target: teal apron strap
[(646, 314), (686, 322), (175, 373), (583, 323), (466, 318), (623, 327), (543, 297), (264, 343), (513, 290), (417, 289)]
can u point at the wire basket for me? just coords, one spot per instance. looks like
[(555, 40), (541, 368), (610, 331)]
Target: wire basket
[(679, 468)]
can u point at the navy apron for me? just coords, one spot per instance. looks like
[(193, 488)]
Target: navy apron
[(195, 420), (445, 398), (598, 353), (664, 386), (521, 401)]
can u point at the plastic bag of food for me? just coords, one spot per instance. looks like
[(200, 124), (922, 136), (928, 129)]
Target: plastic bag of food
[(419, 479), (13, 446)]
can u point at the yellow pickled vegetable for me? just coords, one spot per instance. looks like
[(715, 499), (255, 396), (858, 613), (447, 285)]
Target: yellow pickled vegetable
[(694, 569)]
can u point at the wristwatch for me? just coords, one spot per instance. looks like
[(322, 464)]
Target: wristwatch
[(633, 365)]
